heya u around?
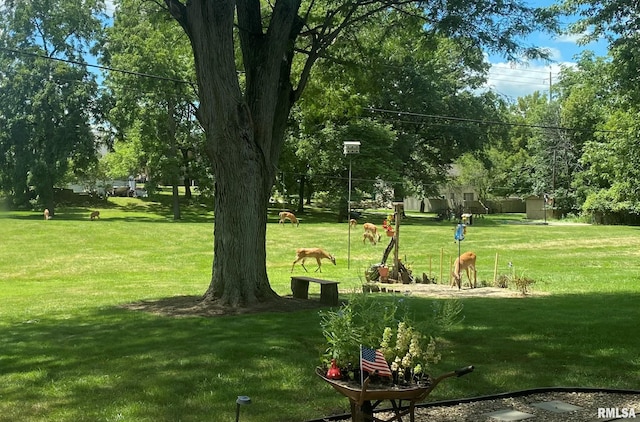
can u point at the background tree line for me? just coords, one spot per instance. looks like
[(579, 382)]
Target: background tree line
[(573, 148), (233, 108)]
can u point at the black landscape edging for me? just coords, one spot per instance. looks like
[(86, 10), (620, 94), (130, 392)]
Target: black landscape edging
[(519, 393)]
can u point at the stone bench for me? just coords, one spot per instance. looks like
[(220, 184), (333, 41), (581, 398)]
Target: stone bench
[(328, 289)]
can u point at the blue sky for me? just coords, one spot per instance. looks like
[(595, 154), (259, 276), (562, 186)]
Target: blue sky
[(514, 81)]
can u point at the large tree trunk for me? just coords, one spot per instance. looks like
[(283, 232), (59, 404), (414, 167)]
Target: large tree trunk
[(239, 275), (244, 129)]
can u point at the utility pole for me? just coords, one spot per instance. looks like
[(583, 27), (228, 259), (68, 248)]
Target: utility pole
[(550, 83)]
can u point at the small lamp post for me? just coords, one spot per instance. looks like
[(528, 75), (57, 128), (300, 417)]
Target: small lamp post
[(350, 148), (241, 401)]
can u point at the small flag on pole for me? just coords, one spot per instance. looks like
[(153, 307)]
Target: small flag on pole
[(373, 360)]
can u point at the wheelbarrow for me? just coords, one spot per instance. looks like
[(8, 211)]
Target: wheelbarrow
[(365, 398)]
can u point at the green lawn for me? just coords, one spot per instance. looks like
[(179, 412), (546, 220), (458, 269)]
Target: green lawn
[(70, 352)]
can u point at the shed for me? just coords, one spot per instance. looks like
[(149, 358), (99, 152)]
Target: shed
[(537, 209)]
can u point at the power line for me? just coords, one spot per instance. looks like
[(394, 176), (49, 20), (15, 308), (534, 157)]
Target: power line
[(110, 69), (481, 122), (371, 109)]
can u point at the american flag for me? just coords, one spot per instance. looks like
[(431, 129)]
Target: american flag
[(373, 360)]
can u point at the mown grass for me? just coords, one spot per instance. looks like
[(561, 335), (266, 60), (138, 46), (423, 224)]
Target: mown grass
[(70, 352)]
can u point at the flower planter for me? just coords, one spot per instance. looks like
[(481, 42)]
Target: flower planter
[(362, 396), (384, 274)]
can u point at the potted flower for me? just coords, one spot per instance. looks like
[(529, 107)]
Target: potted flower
[(384, 323), (409, 351)]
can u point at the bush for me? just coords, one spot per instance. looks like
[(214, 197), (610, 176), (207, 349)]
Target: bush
[(378, 322), (522, 283)]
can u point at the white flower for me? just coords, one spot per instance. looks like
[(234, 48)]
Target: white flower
[(406, 361)]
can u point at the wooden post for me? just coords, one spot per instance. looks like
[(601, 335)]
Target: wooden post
[(441, 263), (399, 206), (495, 270), (450, 269)]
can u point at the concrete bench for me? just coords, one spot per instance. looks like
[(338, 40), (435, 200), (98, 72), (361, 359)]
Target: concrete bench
[(328, 289)]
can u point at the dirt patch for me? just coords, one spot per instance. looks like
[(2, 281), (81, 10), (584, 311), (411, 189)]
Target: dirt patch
[(190, 306), (445, 291)]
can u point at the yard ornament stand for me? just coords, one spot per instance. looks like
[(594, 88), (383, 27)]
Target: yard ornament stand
[(350, 148), (461, 230)]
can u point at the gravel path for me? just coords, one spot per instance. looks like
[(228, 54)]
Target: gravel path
[(590, 403)]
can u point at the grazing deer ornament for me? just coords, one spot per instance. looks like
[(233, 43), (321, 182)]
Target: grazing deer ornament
[(466, 261), (370, 237), (303, 253), (285, 215), (371, 228)]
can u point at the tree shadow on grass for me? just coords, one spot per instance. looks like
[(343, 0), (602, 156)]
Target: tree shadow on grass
[(121, 363), (132, 362), (195, 306), (142, 212), (577, 340)]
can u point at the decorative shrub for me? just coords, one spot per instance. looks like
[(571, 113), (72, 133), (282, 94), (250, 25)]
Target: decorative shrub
[(382, 323)]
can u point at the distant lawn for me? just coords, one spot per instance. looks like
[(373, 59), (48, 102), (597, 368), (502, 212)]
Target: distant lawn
[(70, 352)]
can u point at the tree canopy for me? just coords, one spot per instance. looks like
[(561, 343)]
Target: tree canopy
[(156, 113), (50, 130)]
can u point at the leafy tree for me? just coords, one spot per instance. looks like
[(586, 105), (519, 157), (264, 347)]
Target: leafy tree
[(612, 171), (155, 114), (126, 157), (328, 166), (397, 74), (244, 114), (584, 102), (603, 124), (618, 22), (473, 173), (609, 179), (50, 127), (510, 162), (554, 158)]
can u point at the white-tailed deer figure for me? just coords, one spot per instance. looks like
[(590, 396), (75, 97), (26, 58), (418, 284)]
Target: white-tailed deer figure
[(353, 222), (303, 253), (285, 215), (46, 214), (370, 237), (466, 261), (94, 215), (371, 228)]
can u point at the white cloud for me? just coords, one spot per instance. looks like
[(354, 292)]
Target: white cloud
[(518, 80), (569, 38), (110, 7)]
